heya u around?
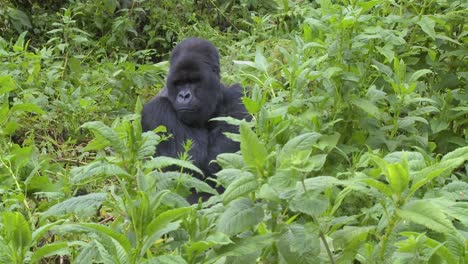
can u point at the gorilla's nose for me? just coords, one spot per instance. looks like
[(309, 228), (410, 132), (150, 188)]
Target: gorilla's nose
[(184, 97)]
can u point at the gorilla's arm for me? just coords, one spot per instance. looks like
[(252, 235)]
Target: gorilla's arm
[(218, 143), (160, 111)]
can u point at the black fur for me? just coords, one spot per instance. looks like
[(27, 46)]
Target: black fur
[(192, 96)]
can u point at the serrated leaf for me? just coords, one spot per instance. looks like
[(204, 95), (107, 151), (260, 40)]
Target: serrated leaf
[(240, 187), (57, 248), (379, 186), (260, 61), (29, 108), (418, 74), (82, 206), (98, 128), (427, 25), (109, 232), (163, 162), (16, 230), (367, 106), (81, 175), (302, 142), (246, 245), (398, 177), (253, 151), (427, 214), (6, 84), (166, 259), (239, 216)]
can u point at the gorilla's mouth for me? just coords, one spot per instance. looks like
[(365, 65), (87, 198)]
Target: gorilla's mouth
[(186, 110)]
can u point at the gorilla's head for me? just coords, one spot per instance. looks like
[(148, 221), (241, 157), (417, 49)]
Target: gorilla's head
[(193, 83)]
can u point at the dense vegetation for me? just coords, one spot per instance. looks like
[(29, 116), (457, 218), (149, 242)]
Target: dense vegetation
[(357, 152)]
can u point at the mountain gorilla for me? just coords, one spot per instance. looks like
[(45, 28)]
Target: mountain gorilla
[(192, 96)]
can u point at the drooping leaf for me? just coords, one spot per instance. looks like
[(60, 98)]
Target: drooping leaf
[(95, 171), (240, 215), (98, 128), (425, 213), (82, 206), (240, 187), (163, 162), (253, 151)]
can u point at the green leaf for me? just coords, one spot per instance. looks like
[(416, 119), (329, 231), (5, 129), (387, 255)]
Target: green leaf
[(427, 25), (260, 61), (81, 175), (367, 106), (302, 142), (218, 238), (163, 162), (16, 231), (230, 160), (29, 108), (240, 215), (425, 213), (37, 234), (253, 151), (109, 232), (57, 248), (98, 128), (240, 187), (6, 84), (418, 74), (81, 206), (164, 218), (246, 245), (310, 203), (165, 259), (398, 177), (379, 186)]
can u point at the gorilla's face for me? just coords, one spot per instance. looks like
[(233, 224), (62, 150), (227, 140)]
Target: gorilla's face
[(193, 82)]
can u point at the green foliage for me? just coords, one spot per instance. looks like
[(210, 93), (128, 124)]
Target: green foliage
[(357, 151)]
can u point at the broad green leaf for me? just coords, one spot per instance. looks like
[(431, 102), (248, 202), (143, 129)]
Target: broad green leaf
[(299, 244), (425, 213), (246, 245), (459, 153), (298, 143), (240, 187), (37, 234), (16, 231), (260, 61), (398, 177), (350, 238), (30, 108), (427, 25), (107, 231), (418, 74), (163, 162), (253, 151), (57, 248), (230, 160), (98, 128), (240, 215), (314, 163), (211, 241), (367, 106), (7, 84), (81, 175), (81, 206), (309, 203), (441, 250), (379, 186), (166, 259), (164, 218)]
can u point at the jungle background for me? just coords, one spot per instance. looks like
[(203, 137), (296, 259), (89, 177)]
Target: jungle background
[(356, 152)]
